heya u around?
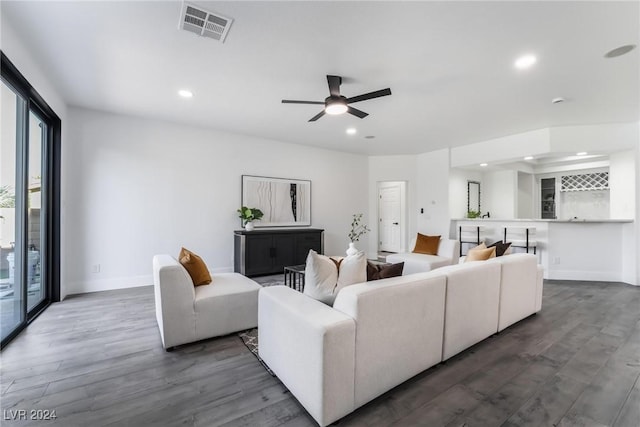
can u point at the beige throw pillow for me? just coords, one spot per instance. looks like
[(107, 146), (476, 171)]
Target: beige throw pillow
[(480, 254), (326, 276)]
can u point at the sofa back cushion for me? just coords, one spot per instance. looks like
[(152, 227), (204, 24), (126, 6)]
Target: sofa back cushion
[(471, 310), (399, 326), (326, 276), (518, 287)]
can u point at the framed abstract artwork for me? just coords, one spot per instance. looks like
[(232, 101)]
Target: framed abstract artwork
[(284, 202)]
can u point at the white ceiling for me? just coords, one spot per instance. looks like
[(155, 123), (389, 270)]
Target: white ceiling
[(448, 64)]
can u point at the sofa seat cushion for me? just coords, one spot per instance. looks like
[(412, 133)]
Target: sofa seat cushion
[(418, 263), (228, 305)]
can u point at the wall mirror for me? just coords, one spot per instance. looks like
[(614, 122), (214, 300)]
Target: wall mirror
[(473, 196), (284, 202)]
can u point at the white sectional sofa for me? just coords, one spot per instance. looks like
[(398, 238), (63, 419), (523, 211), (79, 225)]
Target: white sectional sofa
[(448, 254), (186, 313), (379, 334)]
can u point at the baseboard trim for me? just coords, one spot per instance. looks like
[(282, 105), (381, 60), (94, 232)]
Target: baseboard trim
[(82, 287), (112, 283), (593, 276)]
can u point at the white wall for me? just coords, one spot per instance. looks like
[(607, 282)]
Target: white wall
[(427, 177), (622, 184), (390, 168), (432, 193), (636, 228), (141, 187), (500, 189), (38, 77), (526, 196), (458, 179), (501, 149)]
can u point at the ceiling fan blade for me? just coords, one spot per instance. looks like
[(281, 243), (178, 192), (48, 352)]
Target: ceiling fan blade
[(357, 112), (370, 95), (334, 85), (289, 101), (317, 116)]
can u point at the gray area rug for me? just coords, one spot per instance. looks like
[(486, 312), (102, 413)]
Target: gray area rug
[(250, 337), (273, 280)]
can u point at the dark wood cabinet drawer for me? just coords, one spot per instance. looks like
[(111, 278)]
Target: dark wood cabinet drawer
[(261, 252)]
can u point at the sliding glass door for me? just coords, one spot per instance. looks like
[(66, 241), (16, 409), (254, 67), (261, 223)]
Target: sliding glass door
[(11, 313), (29, 203)]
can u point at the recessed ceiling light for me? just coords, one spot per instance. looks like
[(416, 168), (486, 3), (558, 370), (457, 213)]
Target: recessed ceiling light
[(525, 61), (619, 51), (529, 158), (351, 131), (557, 100), (484, 165), (369, 136), (582, 153), (185, 93)]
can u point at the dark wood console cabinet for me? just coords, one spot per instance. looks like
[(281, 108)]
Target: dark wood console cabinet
[(261, 252)]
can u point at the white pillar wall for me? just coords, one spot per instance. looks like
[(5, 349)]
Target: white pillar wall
[(637, 217)]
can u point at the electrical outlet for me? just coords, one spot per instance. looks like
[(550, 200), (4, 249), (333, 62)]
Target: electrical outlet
[(556, 260), (95, 268)]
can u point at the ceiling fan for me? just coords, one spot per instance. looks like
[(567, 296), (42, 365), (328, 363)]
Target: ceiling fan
[(337, 104)]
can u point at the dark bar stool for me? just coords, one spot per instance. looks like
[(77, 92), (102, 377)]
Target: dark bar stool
[(521, 237), (470, 234)]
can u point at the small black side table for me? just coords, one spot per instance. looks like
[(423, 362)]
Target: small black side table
[(294, 277)]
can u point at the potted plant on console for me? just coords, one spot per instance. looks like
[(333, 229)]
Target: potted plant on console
[(248, 215), (358, 229)]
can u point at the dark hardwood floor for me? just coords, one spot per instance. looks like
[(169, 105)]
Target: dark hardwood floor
[(96, 360)]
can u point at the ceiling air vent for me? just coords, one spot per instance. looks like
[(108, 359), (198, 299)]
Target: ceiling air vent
[(204, 23)]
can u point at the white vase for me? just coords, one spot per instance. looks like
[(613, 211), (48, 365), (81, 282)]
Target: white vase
[(352, 250), (249, 226)]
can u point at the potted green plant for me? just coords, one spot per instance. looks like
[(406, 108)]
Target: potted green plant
[(248, 215), (473, 214)]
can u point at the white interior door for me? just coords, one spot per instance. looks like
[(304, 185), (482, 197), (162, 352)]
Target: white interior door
[(390, 216)]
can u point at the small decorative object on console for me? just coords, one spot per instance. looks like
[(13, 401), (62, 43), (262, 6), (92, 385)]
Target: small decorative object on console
[(248, 215), (358, 229)]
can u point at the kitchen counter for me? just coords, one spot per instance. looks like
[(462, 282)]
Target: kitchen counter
[(579, 220), (579, 249)]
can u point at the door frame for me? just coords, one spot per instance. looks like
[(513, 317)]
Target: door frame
[(403, 211), (51, 184)]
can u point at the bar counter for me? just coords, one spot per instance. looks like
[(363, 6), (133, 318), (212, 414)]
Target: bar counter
[(571, 249)]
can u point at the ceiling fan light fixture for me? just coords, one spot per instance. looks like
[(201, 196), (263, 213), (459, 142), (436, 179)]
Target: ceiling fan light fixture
[(336, 107)]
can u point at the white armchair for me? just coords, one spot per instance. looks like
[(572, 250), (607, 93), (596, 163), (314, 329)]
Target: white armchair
[(186, 313)]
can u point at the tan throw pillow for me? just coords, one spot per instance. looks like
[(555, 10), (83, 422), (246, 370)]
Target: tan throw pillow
[(195, 266), (480, 254), (480, 246), (427, 244), (325, 276)]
